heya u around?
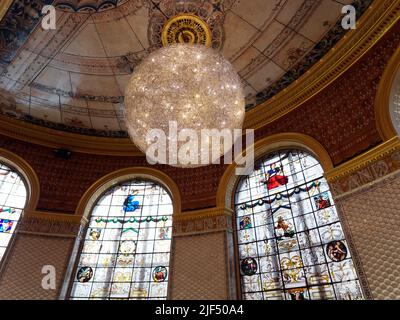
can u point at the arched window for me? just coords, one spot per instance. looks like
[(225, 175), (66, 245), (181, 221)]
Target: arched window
[(13, 196), (126, 251), (290, 240)]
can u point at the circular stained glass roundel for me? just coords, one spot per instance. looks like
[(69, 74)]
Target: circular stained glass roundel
[(249, 266), (84, 274), (336, 251), (160, 274)]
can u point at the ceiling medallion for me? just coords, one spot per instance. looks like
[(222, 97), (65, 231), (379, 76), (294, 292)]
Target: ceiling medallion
[(186, 28)]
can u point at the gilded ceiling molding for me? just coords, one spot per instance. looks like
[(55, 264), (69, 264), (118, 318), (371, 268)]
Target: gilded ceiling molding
[(383, 119), (91, 195), (372, 26), (59, 139), (382, 151), (229, 180), (4, 5), (27, 172)]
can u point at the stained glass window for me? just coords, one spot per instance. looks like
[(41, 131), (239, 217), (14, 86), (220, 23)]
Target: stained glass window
[(290, 240), (12, 201), (126, 251)]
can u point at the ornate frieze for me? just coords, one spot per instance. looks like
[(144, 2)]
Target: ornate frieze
[(51, 224), (366, 169), (202, 221)]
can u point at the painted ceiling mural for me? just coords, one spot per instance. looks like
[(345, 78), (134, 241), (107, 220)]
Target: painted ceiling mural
[(73, 78)]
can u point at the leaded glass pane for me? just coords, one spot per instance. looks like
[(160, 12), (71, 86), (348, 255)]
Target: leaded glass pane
[(13, 197), (290, 241), (127, 244)]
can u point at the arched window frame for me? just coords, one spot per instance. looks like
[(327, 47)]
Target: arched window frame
[(288, 140), (95, 192), (387, 99), (31, 182)]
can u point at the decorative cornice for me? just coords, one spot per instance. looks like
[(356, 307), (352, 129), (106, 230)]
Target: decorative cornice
[(50, 224), (372, 26), (54, 216), (58, 139), (358, 189), (202, 221), (366, 159)]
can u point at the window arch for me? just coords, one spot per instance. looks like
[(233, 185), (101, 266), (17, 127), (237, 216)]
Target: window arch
[(387, 100), (395, 103), (291, 243), (13, 198), (126, 249)]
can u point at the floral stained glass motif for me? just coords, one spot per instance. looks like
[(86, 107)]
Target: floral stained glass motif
[(290, 240), (13, 197), (126, 251)]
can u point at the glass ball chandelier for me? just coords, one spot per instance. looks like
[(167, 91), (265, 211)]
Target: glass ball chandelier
[(189, 84)]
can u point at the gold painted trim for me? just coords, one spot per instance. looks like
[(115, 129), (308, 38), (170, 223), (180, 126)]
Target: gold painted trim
[(4, 6), (51, 138), (375, 22), (191, 17), (372, 26), (203, 214), (381, 151), (226, 187), (96, 189), (53, 216), (383, 118), (25, 169), (369, 185)]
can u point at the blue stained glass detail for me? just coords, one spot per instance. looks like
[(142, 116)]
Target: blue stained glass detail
[(129, 204)]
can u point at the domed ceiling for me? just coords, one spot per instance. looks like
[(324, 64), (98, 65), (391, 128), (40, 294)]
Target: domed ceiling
[(73, 78)]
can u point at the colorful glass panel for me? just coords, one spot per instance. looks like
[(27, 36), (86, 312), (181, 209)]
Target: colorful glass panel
[(126, 251), (290, 240), (13, 197)]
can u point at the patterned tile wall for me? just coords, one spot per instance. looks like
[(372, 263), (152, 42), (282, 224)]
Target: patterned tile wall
[(199, 267), (22, 274), (373, 216)]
